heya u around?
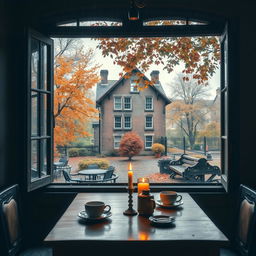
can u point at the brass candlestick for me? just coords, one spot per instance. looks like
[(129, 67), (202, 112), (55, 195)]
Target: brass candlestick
[(130, 211)]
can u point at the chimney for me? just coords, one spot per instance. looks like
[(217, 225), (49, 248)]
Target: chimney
[(155, 77), (104, 76)]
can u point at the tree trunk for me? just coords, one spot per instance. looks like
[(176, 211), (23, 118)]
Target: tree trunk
[(192, 140)]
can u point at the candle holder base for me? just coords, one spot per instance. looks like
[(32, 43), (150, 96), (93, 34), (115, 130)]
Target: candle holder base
[(130, 212)]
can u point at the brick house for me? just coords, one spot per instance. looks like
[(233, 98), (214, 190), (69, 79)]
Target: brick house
[(124, 108)]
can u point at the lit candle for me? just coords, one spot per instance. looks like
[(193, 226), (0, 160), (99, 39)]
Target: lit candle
[(130, 176), (143, 184)]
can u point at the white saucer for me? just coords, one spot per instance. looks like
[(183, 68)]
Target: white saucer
[(83, 215), (161, 220), (169, 206)]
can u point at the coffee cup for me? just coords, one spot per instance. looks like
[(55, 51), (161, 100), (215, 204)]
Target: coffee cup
[(170, 197), (95, 209)]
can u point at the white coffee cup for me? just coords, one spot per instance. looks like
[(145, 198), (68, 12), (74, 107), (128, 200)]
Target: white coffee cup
[(95, 209), (170, 197)]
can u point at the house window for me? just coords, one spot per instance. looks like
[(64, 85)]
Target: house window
[(149, 122), (127, 103), (117, 103), (134, 87), (127, 122), (148, 141), (149, 103), (117, 139), (118, 122)]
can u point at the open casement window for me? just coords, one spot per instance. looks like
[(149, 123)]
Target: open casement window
[(40, 122)]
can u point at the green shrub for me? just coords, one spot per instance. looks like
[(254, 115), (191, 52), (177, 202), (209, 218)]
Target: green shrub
[(73, 152), (102, 163), (83, 152)]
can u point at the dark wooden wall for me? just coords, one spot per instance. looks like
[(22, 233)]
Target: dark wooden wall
[(16, 15)]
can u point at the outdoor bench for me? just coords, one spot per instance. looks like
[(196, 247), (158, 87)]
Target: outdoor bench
[(193, 169)]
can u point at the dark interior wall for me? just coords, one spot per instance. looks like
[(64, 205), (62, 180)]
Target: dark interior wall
[(15, 15)]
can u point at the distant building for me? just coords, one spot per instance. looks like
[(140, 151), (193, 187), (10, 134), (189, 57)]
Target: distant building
[(124, 108)]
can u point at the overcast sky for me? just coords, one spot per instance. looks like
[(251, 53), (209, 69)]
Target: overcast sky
[(165, 78)]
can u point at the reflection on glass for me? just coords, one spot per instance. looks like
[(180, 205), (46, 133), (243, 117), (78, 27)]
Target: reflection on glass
[(34, 160), (44, 115), (100, 23), (44, 85), (68, 24), (34, 63), (44, 149), (164, 22), (34, 114)]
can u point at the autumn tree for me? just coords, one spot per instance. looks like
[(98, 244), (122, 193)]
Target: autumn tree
[(74, 76), (212, 129), (200, 55), (188, 109), (130, 145)]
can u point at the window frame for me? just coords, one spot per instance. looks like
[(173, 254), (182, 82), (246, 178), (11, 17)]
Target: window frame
[(133, 85), (130, 127), (214, 27), (121, 122), (145, 141), (46, 179), (127, 97), (152, 122), (114, 141), (152, 103), (115, 97)]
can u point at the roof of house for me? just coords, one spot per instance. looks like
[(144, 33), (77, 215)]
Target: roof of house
[(103, 90)]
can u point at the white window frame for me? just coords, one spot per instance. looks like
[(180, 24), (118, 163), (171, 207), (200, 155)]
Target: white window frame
[(125, 97), (152, 102), (114, 140), (145, 140), (134, 87), (152, 127), (117, 128), (127, 128), (115, 97)]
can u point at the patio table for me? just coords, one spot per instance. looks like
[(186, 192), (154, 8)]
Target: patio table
[(193, 233), (92, 173)]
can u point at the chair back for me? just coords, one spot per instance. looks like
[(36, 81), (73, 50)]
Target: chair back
[(66, 176), (109, 173), (92, 166), (10, 215), (64, 160), (246, 229)]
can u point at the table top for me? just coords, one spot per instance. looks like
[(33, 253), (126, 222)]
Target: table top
[(92, 171), (191, 224)]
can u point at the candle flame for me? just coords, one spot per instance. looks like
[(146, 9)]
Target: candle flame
[(130, 166)]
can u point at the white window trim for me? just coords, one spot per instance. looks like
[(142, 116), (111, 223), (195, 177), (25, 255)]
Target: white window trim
[(130, 102), (118, 128), (146, 103), (152, 135), (115, 135), (115, 102), (132, 86), (127, 128), (152, 127)]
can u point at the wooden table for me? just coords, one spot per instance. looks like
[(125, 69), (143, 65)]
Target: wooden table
[(193, 234), (92, 173)]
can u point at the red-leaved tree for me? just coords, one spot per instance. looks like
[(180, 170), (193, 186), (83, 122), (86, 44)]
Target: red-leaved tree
[(130, 145)]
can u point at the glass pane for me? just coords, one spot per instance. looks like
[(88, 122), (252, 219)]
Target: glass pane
[(34, 160), (68, 24), (100, 23), (44, 84), (164, 22), (44, 114), (197, 23), (44, 155), (34, 63), (34, 114)]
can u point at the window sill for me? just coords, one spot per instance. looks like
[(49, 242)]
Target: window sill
[(149, 110), (121, 188)]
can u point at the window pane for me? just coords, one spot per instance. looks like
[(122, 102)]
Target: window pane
[(127, 103), (68, 24), (118, 102), (100, 23), (44, 84), (149, 104), (148, 141), (44, 155), (118, 122), (127, 122), (34, 63), (134, 87), (117, 140), (44, 114), (149, 123), (34, 114), (164, 22), (34, 160)]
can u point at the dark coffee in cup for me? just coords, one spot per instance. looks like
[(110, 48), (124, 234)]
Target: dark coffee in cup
[(95, 209)]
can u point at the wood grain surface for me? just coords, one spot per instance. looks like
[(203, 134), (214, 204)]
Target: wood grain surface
[(192, 234)]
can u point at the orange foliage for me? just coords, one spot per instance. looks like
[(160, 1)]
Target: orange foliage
[(73, 108), (130, 145), (201, 55)]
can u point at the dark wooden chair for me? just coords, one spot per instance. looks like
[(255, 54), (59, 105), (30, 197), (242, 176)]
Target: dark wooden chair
[(244, 243), (12, 226), (110, 175)]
